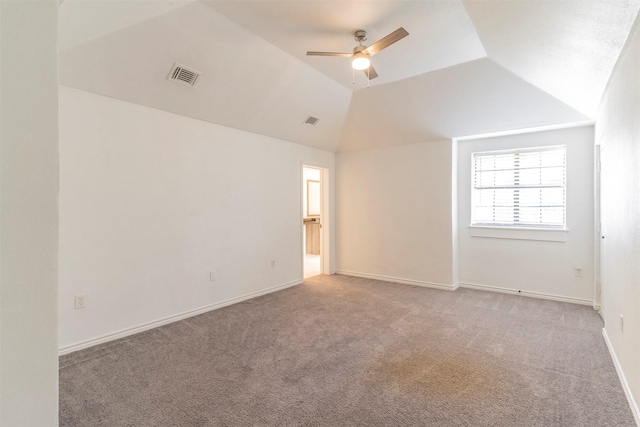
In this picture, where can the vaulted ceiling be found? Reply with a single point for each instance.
(467, 67)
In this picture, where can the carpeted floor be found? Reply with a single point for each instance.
(343, 351)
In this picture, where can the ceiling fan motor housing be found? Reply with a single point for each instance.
(360, 35)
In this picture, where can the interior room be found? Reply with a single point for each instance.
(274, 212)
(312, 220)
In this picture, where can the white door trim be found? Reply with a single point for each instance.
(325, 217)
(597, 248)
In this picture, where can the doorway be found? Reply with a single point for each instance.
(313, 219)
(598, 304)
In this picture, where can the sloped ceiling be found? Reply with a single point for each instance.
(85, 20)
(469, 99)
(441, 33)
(466, 68)
(247, 83)
(566, 48)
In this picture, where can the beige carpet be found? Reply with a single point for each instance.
(341, 351)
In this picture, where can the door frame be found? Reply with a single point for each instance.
(325, 217)
(597, 243)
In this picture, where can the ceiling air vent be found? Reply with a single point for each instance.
(183, 75)
(311, 121)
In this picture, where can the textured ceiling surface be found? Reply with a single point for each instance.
(451, 101)
(266, 92)
(440, 33)
(84, 20)
(467, 67)
(566, 48)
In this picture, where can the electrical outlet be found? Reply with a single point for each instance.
(621, 323)
(273, 263)
(79, 301)
(578, 272)
(212, 276)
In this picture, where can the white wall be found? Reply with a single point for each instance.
(535, 267)
(394, 212)
(403, 214)
(618, 132)
(151, 202)
(29, 213)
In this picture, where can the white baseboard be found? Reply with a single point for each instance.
(623, 379)
(170, 319)
(540, 295)
(399, 280)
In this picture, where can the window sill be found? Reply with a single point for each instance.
(542, 234)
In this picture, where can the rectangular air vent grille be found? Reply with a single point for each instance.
(311, 121)
(183, 75)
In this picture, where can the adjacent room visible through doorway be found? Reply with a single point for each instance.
(312, 220)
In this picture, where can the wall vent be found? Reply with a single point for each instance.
(183, 75)
(311, 121)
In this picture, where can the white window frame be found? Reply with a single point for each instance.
(518, 231)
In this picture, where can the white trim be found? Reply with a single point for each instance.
(623, 379)
(519, 233)
(597, 232)
(527, 130)
(325, 217)
(398, 280)
(170, 319)
(516, 227)
(532, 294)
(519, 150)
(481, 183)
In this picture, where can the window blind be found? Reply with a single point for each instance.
(524, 187)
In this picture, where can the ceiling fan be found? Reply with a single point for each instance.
(361, 54)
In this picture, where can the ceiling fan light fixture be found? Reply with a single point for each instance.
(360, 57)
(360, 61)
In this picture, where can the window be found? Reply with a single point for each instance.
(520, 188)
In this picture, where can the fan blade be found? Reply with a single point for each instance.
(386, 41)
(371, 72)
(346, 55)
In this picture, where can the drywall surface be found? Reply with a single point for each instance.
(28, 213)
(152, 202)
(473, 98)
(394, 213)
(618, 133)
(533, 266)
(274, 101)
(566, 48)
